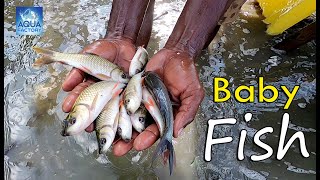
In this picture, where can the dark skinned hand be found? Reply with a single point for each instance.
(118, 51)
(178, 72)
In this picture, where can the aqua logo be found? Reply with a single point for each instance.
(29, 20)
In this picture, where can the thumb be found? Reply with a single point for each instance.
(102, 48)
(190, 101)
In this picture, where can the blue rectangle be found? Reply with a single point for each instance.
(29, 20)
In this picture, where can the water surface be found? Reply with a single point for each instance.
(241, 52)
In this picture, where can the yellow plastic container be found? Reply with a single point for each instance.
(282, 14)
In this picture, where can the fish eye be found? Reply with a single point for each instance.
(123, 75)
(141, 119)
(72, 120)
(103, 141)
(127, 101)
(137, 71)
(119, 130)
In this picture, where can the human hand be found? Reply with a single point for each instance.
(178, 72)
(118, 51)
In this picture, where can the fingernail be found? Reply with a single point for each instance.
(180, 131)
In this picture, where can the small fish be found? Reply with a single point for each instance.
(125, 125)
(159, 92)
(138, 119)
(138, 61)
(88, 106)
(89, 63)
(133, 93)
(153, 109)
(107, 123)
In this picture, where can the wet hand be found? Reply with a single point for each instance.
(118, 51)
(178, 72)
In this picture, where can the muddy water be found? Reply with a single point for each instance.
(241, 53)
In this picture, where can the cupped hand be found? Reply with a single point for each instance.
(178, 72)
(118, 51)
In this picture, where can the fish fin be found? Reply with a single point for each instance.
(146, 104)
(115, 86)
(46, 59)
(165, 157)
(42, 60)
(116, 122)
(42, 51)
(142, 81)
(93, 104)
(121, 102)
(103, 76)
(150, 101)
(117, 93)
(85, 69)
(164, 145)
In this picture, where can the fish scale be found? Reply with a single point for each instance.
(107, 124)
(107, 117)
(99, 64)
(89, 104)
(87, 95)
(91, 64)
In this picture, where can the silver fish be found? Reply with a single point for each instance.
(138, 119)
(107, 123)
(133, 93)
(138, 61)
(153, 109)
(125, 125)
(91, 64)
(89, 105)
(160, 93)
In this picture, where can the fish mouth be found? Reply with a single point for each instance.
(65, 125)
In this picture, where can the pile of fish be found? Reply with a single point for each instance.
(119, 102)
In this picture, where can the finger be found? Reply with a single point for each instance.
(74, 78)
(90, 128)
(147, 138)
(102, 48)
(188, 109)
(156, 63)
(125, 54)
(73, 95)
(121, 147)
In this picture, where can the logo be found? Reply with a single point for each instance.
(29, 20)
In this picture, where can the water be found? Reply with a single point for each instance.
(241, 52)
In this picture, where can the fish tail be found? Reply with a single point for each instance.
(165, 145)
(42, 51)
(46, 59)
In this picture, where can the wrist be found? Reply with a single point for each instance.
(126, 19)
(182, 50)
(113, 37)
(196, 26)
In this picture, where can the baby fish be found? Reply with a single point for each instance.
(153, 109)
(160, 93)
(133, 93)
(107, 123)
(91, 64)
(125, 125)
(138, 61)
(138, 119)
(88, 106)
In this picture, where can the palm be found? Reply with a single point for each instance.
(178, 72)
